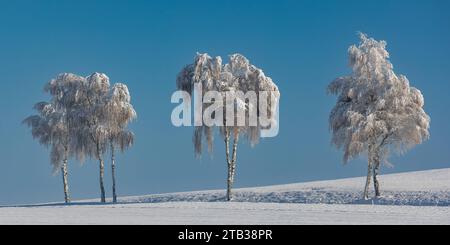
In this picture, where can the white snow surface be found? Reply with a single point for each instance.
(423, 188)
(408, 198)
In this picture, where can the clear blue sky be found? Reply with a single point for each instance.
(302, 45)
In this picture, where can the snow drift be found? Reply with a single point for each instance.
(423, 188)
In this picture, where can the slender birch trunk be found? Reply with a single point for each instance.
(369, 173)
(113, 173)
(64, 173)
(373, 169)
(231, 163)
(227, 153)
(376, 169)
(102, 173)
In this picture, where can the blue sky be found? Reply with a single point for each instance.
(302, 45)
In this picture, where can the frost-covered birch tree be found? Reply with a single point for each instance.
(377, 111)
(47, 127)
(232, 82)
(90, 136)
(52, 125)
(119, 113)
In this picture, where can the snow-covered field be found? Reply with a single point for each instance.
(408, 198)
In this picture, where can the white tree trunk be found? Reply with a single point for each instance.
(376, 169)
(373, 169)
(231, 163)
(102, 173)
(369, 173)
(227, 153)
(113, 173)
(64, 173)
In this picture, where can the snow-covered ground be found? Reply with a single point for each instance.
(408, 198)
(194, 213)
(423, 188)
